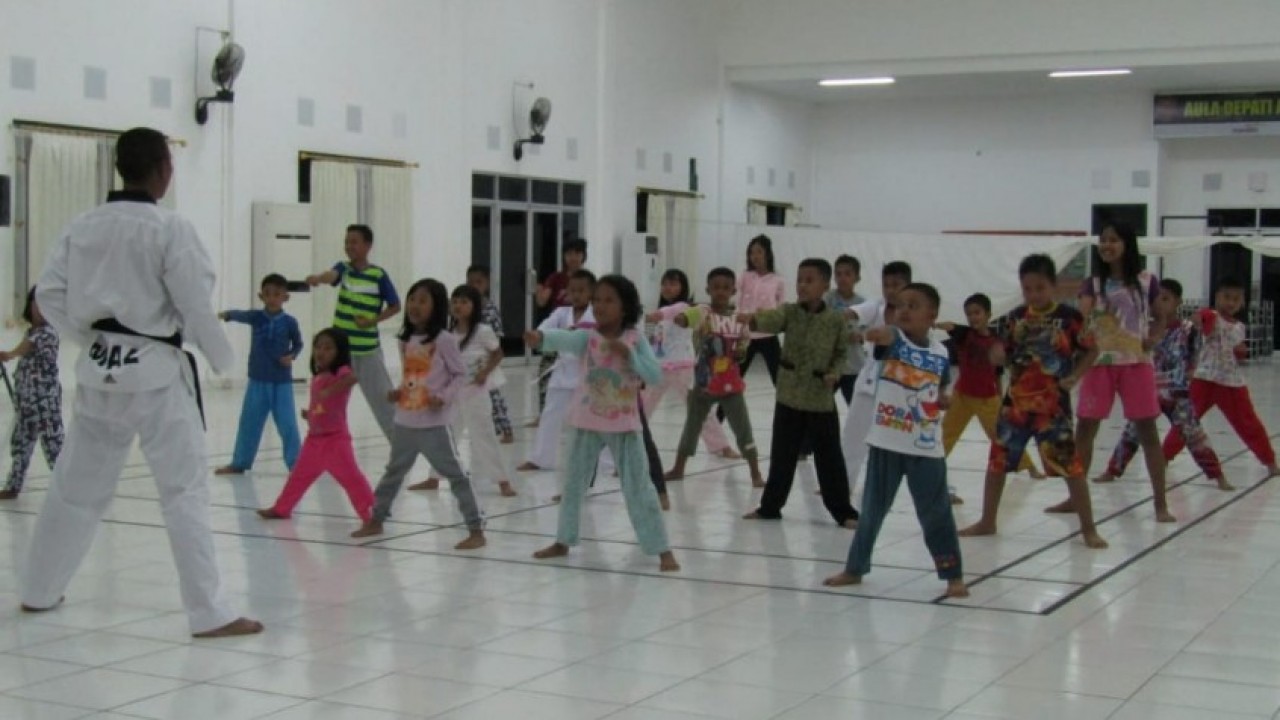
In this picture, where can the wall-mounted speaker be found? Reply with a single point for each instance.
(5, 204)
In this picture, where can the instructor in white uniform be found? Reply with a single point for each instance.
(127, 281)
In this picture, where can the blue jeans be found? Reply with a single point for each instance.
(927, 481)
(262, 399)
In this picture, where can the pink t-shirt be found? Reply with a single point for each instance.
(758, 292)
(430, 370)
(328, 415)
(607, 399)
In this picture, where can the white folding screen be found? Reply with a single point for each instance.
(683, 240)
(64, 179)
(391, 217)
(333, 207)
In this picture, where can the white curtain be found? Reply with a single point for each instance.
(793, 215)
(684, 238)
(391, 217)
(757, 213)
(333, 208)
(63, 181)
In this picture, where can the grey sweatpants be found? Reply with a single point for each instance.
(375, 384)
(436, 445)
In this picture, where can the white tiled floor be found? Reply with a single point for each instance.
(1173, 621)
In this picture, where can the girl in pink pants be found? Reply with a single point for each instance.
(328, 445)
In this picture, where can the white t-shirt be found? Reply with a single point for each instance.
(672, 344)
(909, 385)
(476, 355)
(870, 315)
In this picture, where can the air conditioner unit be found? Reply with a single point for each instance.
(282, 244)
(642, 258)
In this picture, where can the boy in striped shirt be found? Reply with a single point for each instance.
(366, 297)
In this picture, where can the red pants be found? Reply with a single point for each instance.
(1238, 409)
(333, 454)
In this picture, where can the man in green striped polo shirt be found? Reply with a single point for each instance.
(366, 297)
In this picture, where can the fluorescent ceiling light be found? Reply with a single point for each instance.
(843, 82)
(1088, 73)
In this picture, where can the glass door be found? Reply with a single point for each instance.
(514, 302)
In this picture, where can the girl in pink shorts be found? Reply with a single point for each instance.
(1117, 302)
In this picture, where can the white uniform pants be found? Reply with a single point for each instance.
(545, 451)
(853, 441)
(102, 430)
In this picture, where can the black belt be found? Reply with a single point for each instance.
(111, 325)
(788, 365)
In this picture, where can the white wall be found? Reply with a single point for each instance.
(767, 34)
(1184, 164)
(1025, 163)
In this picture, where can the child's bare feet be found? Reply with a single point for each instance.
(1272, 471)
(532, 423)
(673, 475)
(1164, 516)
(978, 529)
(556, 498)
(368, 529)
(1222, 485)
(1093, 540)
(665, 501)
(1105, 478)
(730, 454)
(956, 589)
(239, 626)
(8, 494)
(842, 579)
(229, 470)
(1063, 507)
(554, 550)
(505, 489)
(507, 438)
(667, 562)
(431, 483)
(1036, 474)
(850, 524)
(956, 499)
(757, 481)
(271, 514)
(527, 466)
(474, 541)
(753, 515)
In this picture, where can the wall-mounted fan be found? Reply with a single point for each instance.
(226, 68)
(530, 118)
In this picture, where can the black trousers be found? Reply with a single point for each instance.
(846, 389)
(790, 426)
(768, 348)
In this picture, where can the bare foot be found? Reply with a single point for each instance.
(8, 494)
(1036, 474)
(665, 501)
(431, 483)
(527, 466)
(531, 424)
(673, 475)
(505, 489)
(556, 498)
(957, 589)
(554, 550)
(957, 500)
(271, 514)
(1063, 507)
(1093, 540)
(368, 529)
(667, 562)
(1222, 485)
(33, 609)
(842, 579)
(850, 524)
(753, 515)
(977, 530)
(730, 454)
(1272, 471)
(474, 541)
(507, 438)
(758, 482)
(239, 626)
(229, 470)
(1105, 478)
(1164, 516)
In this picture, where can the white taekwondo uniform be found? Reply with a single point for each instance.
(142, 269)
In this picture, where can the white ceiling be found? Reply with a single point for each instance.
(1164, 78)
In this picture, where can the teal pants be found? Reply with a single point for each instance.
(637, 490)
